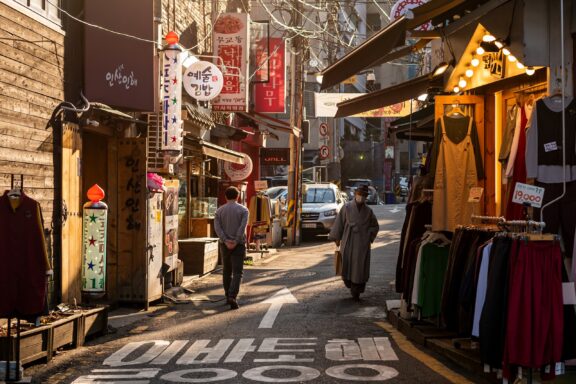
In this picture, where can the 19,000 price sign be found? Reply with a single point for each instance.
(528, 195)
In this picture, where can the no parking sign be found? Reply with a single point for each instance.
(324, 152)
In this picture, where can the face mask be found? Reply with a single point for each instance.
(360, 199)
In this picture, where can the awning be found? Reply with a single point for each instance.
(419, 126)
(221, 153)
(430, 10)
(388, 96)
(366, 54)
(116, 114)
(403, 51)
(268, 121)
(228, 132)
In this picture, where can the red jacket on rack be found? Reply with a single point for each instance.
(23, 257)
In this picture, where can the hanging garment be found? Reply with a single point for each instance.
(260, 210)
(509, 169)
(455, 175)
(481, 289)
(535, 319)
(544, 142)
(508, 134)
(516, 211)
(23, 257)
(433, 263)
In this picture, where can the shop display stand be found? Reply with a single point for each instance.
(15, 184)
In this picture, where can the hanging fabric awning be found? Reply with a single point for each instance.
(267, 121)
(419, 126)
(388, 96)
(366, 54)
(221, 153)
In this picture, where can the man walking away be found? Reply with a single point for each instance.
(230, 225)
(354, 230)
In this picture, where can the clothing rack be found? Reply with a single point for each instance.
(15, 184)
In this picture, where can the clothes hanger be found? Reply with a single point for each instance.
(456, 110)
(15, 193)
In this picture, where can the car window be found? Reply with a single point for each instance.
(319, 195)
(275, 192)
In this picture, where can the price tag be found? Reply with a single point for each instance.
(260, 185)
(528, 195)
(475, 194)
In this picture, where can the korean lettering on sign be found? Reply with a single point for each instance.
(270, 97)
(203, 81)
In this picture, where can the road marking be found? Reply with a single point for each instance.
(394, 210)
(424, 358)
(281, 297)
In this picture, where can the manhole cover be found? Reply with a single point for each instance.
(287, 274)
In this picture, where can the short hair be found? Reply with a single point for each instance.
(232, 193)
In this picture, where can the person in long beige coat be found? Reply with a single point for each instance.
(354, 231)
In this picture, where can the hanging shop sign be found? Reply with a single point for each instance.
(275, 156)
(171, 99)
(231, 40)
(402, 7)
(239, 172)
(203, 80)
(260, 185)
(270, 97)
(94, 224)
(171, 223)
(529, 195)
(326, 105)
(120, 71)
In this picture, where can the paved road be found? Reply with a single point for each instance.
(297, 323)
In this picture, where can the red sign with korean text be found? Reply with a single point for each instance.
(270, 97)
(231, 46)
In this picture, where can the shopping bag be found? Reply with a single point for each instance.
(338, 262)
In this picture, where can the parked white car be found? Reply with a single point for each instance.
(320, 204)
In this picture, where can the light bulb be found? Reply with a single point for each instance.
(423, 97)
(505, 51)
(462, 83)
(469, 73)
(530, 71)
(475, 62)
(456, 89)
(488, 38)
(519, 65)
(480, 50)
(511, 58)
(498, 44)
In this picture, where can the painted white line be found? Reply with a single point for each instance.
(281, 297)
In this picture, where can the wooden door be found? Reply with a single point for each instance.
(72, 226)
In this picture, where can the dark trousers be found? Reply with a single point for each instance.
(233, 262)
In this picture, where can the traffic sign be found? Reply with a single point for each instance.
(323, 129)
(324, 152)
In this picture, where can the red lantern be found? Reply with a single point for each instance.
(95, 193)
(172, 38)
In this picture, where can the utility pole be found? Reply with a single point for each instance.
(294, 171)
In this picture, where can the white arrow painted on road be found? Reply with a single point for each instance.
(281, 297)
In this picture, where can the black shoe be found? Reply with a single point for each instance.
(356, 296)
(233, 303)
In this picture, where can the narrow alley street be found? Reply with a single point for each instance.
(297, 323)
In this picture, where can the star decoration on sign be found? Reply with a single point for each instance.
(175, 81)
(174, 119)
(91, 265)
(175, 60)
(173, 139)
(174, 100)
(92, 241)
(92, 218)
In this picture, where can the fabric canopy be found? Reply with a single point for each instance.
(387, 96)
(221, 153)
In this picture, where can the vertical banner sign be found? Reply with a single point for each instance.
(231, 45)
(171, 222)
(94, 223)
(171, 99)
(270, 97)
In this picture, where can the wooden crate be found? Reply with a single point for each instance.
(35, 344)
(67, 332)
(95, 322)
(200, 255)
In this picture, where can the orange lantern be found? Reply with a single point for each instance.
(172, 38)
